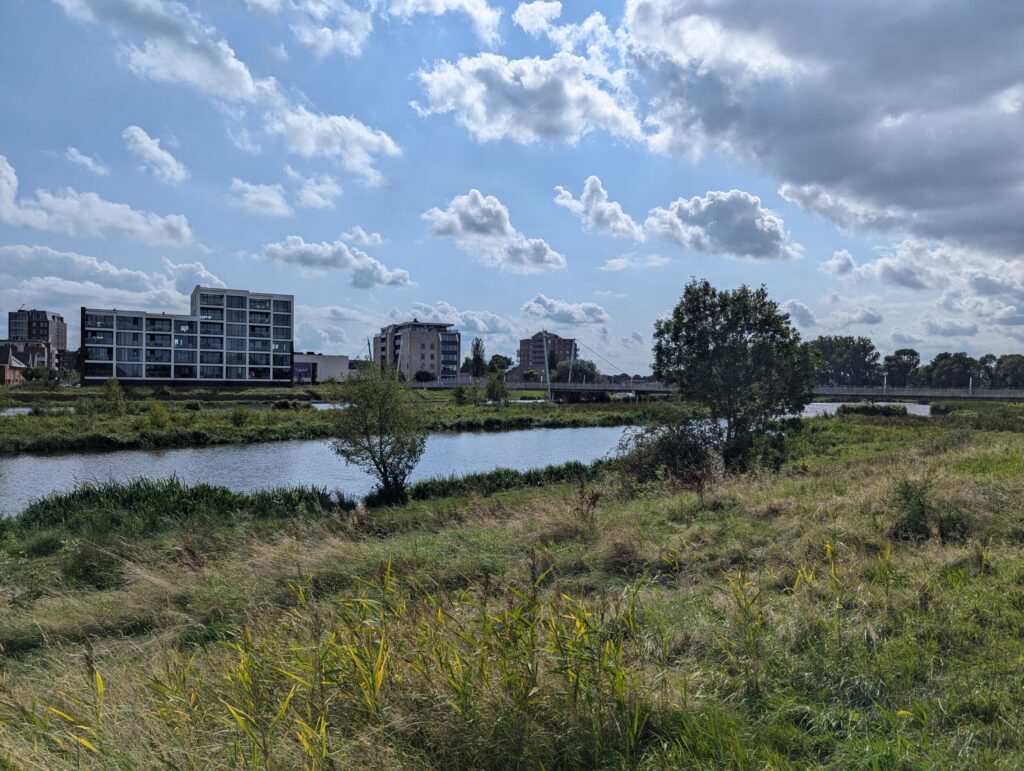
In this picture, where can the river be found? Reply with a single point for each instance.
(250, 467)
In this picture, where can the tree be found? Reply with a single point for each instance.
(583, 371)
(477, 362)
(1010, 371)
(380, 430)
(497, 391)
(846, 360)
(422, 376)
(900, 366)
(113, 397)
(552, 362)
(987, 370)
(499, 363)
(531, 376)
(737, 354)
(953, 370)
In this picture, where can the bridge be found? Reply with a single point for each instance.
(839, 393)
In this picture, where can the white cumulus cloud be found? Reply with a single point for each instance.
(366, 271)
(79, 158)
(164, 166)
(597, 212)
(264, 200)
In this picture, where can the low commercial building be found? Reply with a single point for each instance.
(419, 347)
(313, 368)
(12, 369)
(231, 337)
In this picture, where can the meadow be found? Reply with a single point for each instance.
(861, 609)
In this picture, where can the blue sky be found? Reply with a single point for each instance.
(872, 179)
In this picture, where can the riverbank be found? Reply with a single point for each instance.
(858, 610)
(156, 424)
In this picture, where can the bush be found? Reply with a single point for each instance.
(194, 405)
(158, 416)
(913, 511)
(880, 410)
(459, 395)
(86, 564)
(239, 416)
(686, 449)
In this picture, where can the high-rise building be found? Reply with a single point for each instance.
(231, 337)
(38, 327)
(535, 352)
(417, 346)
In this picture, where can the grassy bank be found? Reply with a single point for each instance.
(859, 610)
(152, 424)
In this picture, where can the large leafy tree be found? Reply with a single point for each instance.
(736, 353)
(379, 430)
(846, 360)
(477, 362)
(954, 370)
(1010, 371)
(900, 366)
(499, 363)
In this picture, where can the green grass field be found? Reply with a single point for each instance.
(862, 609)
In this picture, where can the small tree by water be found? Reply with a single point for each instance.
(380, 430)
(113, 397)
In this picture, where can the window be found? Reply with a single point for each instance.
(99, 321)
(211, 357)
(211, 373)
(235, 344)
(129, 354)
(211, 314)
(237, 301)
(185, 371)
(235, 358)
(431, 346)
(235, 373)
(263, 332)
(259, 373)
(259, 303)
(160, 355)
(282, 319)
(158, 341)
(98, 338)
(158, 325)
(93, 369)
(129, 338)
(128, 370)
(259, 358)
(211, 328)
(423, 346)
(236, 330)
(129, 322)
(185, 341)
(93, 353)
(158, 371)
(282, 306)
(282, 374)
(211, 299)
(259, 318)
(211, 343)
(282, 360)
(237, 317)
(184, 327)
(259, 345)
(282, 333)
(281, 346)
(185, 357)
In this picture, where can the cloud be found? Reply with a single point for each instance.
(536, 17)
(732, 223)
(86, 162)
(352, 142)
(633, 340)
(633, 261)
(360, 237)
(164, 166)
(563, 312)
(597, 212)
(65, 281)
(800, 313)
(907, 265)
(841, 264)
(330, 27)
(316, 192)
(946, 327)
(366, 272)
(187, 275)
(443, 312)
(481, 226)
(74, 213)
(861, 314)
(175, 47)
(265, 200)
(859, 113)
(334, 329)
(529, 100)
(485, 19)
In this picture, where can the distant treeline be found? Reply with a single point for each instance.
(847, 360)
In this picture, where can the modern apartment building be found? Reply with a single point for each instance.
(534, 351)
(231, 337)
(37, 326)
(417, 346)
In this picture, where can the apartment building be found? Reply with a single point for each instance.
(534, 351)
(230, 337)
(39, 337)
(416, 346)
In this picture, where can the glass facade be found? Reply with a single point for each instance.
(250, 334)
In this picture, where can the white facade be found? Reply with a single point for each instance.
(317, 367)
(231, 336)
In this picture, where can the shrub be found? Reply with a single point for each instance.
(158, 416)
(113, 397)
(239, 416)
(686, 449)
(194, 405)
(913, 511)
(86, 564)
(459, 395)
(880, 410)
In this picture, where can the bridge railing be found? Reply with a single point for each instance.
(916, 392)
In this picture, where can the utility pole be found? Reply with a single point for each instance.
(547, 366)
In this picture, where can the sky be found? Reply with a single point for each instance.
(508, 167)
